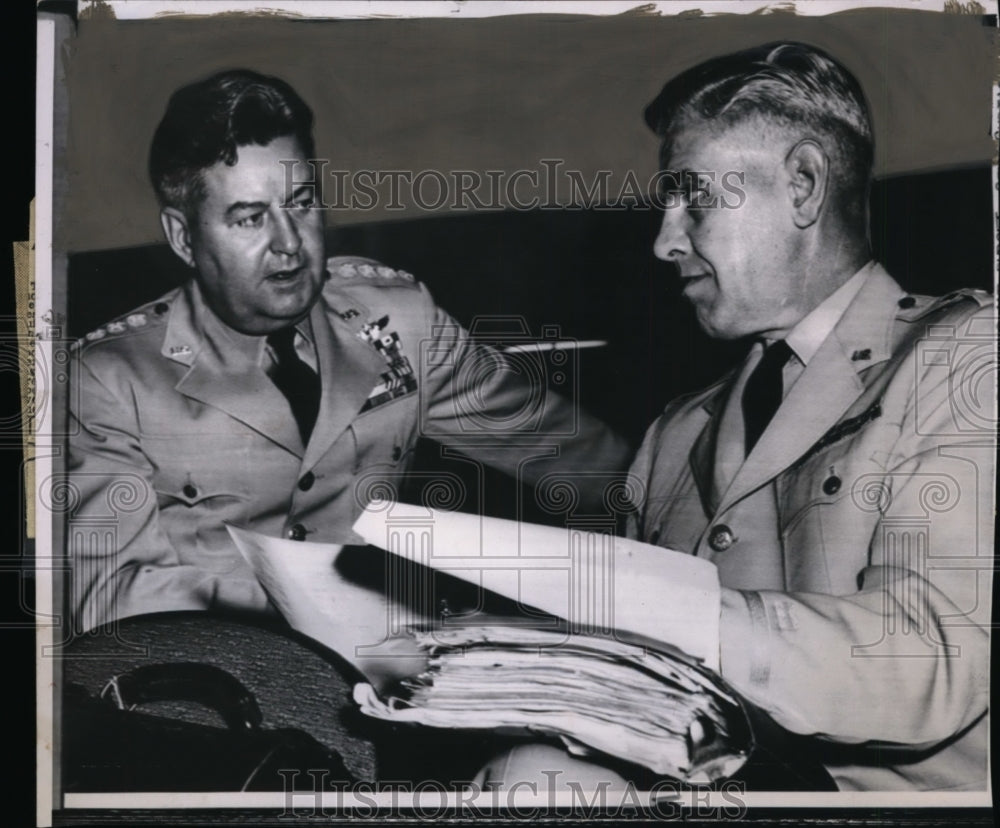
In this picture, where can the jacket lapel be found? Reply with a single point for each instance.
(349, 369)
(821, 395)
(223, 376)
(702, 456)
(827, 388)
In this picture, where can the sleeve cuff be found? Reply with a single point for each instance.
(743, 632)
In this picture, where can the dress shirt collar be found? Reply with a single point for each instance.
(806, 337)
(252, 346)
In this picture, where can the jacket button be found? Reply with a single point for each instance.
(306, 481)
(297, 532)
(831, 485)
(907, 302)
(397, 452)
(190, 491)
(721, 538)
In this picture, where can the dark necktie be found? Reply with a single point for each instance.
(762, 393)
(296, 380)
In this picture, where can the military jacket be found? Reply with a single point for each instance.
(856, 539)
(176, 433)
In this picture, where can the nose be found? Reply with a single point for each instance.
(673, 242)
(285, 237)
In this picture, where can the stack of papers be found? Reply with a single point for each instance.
(620, 689)
(654, 707)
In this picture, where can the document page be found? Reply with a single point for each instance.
(598, 582)
(316, 600)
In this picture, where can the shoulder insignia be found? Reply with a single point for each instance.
(916, 307)
(155, 311)
(90, 336)
(359, 267)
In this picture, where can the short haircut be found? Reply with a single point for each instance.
(206, 122)
(795, 86)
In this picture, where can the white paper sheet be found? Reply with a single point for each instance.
(594, 581)
(303, 583)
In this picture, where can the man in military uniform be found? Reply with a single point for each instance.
(275, 388)
(841, 478)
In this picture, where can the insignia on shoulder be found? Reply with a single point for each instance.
(365, 269)
(917, 307)
(91, 336)
(134, 320)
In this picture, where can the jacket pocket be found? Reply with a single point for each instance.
(385, 436)
(204, 474)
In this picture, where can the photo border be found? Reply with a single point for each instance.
(841, 808)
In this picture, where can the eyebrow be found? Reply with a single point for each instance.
(239, 206)
(302, 188)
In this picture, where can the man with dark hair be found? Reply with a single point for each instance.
(841, 478)
(207, 122)
(275, 387)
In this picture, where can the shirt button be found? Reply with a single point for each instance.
(831, 485)
(397, 452)
(190, 491)
(721, 538)
(306, 481)
(297, 532)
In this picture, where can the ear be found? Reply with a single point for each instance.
(808, 169)
(175, 228)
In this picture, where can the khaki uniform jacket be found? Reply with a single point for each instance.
(859, 534)
(177, 432)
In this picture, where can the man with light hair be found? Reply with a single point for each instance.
(841, 478)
